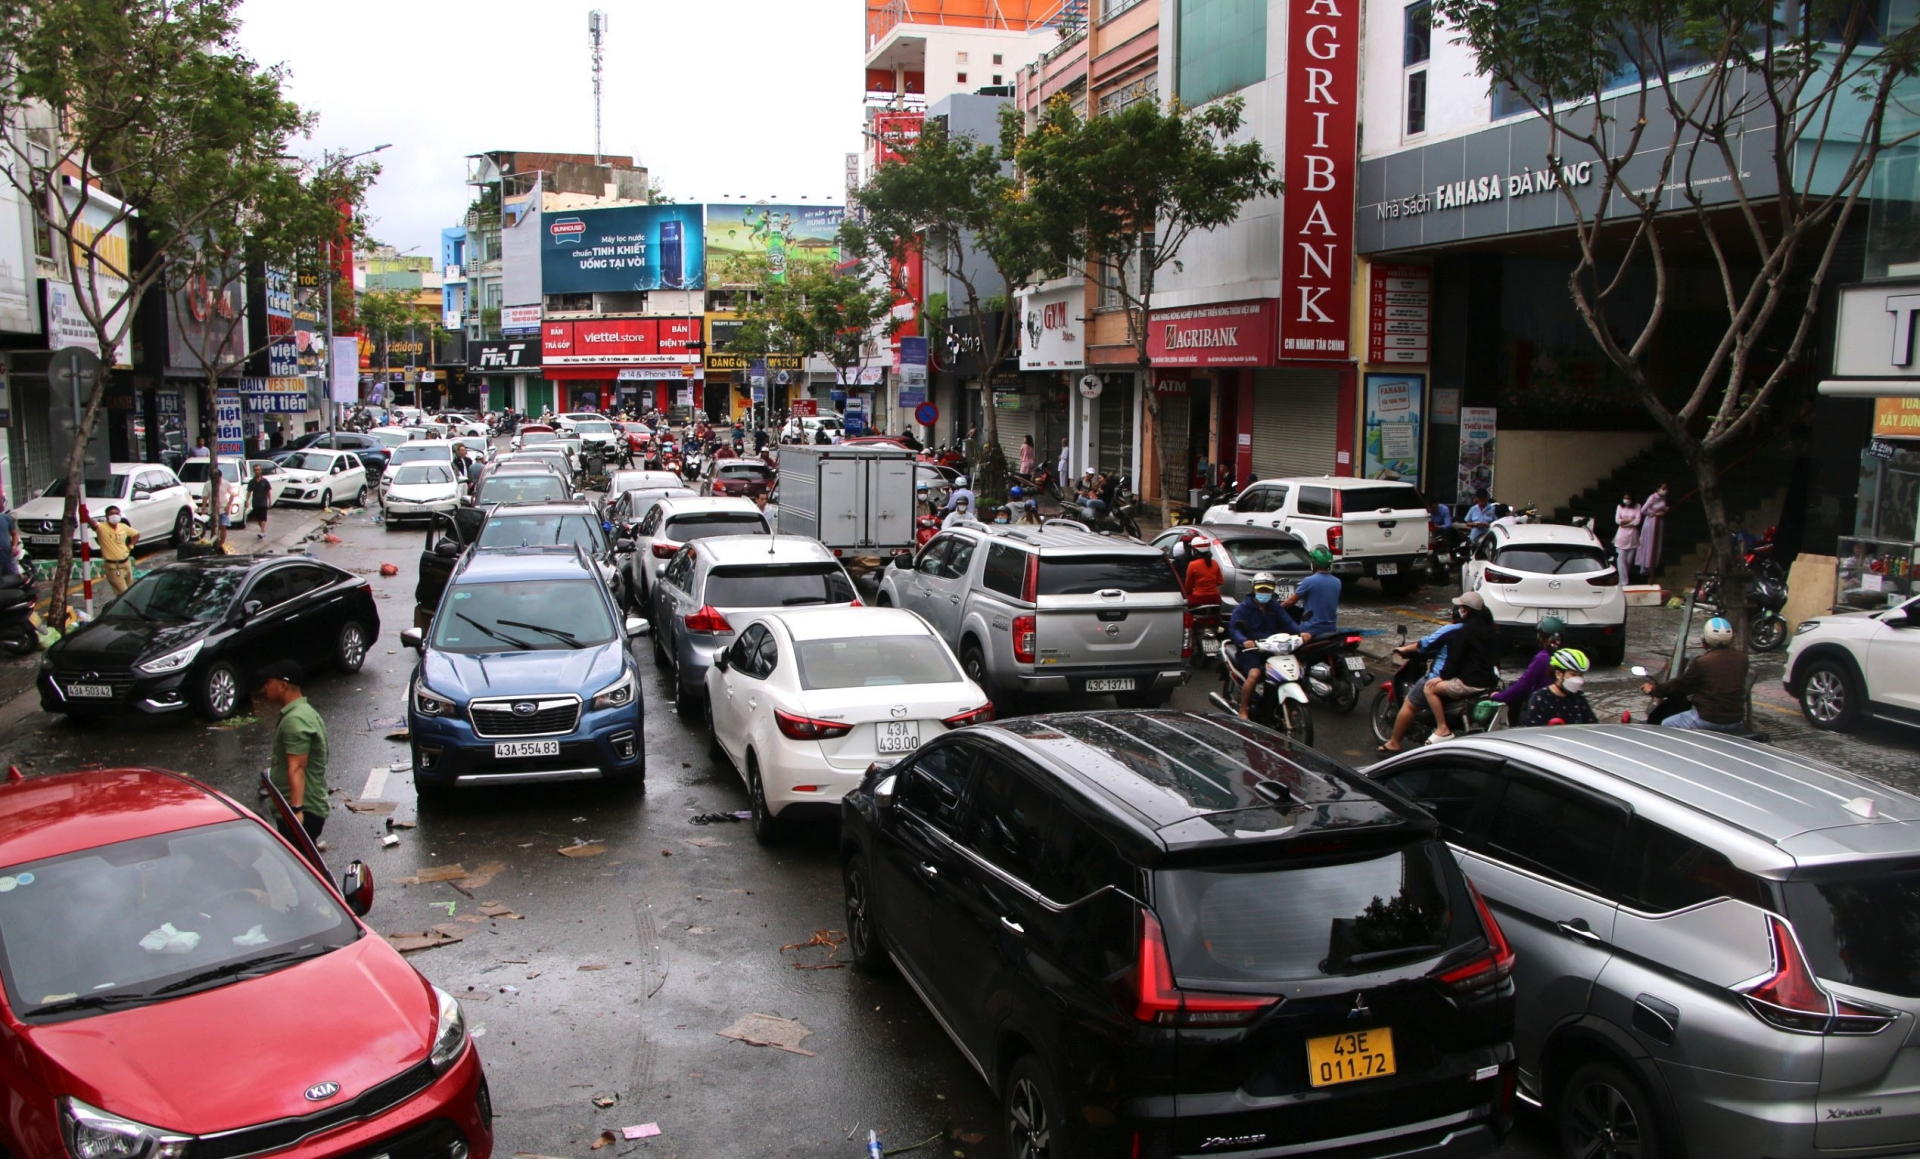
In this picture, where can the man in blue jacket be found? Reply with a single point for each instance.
(1253, 621)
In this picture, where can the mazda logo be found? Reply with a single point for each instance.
(321, 1092)
(525, 708)
(898, 710)
(1554, 584)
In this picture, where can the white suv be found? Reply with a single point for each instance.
(1528, 571)
(1375, 527)
(1852, 664)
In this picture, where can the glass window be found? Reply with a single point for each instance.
(933, 557)
(1566, 837)
(1863, 928)
(178, 595)
(1222, 47)
(778, 585)
(516, 489)
(1553, 559)
(270, 589)
(1448, 791)
(320, 461)
(687, 528)
(1317, 501)
(526, 616)
(1008, 822)
(874, 662)
(767, 655)
(304, 578)
(1416, 102)
(1082, 575)
(746, 651)
(1077, 860)
(1005, 571)
(1267, 555)
(1419, 33)
(961, 558)
(935, 786)
(506, 529)
(423, 473)
(1663, 872)
(112, 487)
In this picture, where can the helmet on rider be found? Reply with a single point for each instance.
(1014, 491)
(1263, 587)
(1200, 544)
(1718, 633)
(1551, 629)
(1003, 514)
(1570, 660)
(960, 481)
(1322, 558)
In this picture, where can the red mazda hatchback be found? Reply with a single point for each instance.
(180, 984)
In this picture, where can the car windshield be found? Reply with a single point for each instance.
(309, 461)
(421, 453)
(195, 471)
(1552, 559)
(778, 585)
(114, 487)
(874, 661)
(745, 470)
(522, 616)
(521, 489)
(687, 528)
(1366, 500)
(1863, 928)
(569, 530)
(533, 437)
(390, 438)
(178, 594)
(143, 919)
(1267, 555)
(423, 473)
(593, 427)
(1082, 575)
(1264, 923)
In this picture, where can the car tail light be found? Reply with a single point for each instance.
(1023, 632)
(1606, 579)
(664, 550)
(1157, 999)
(1491, 967)
(708, 619)
(980, 715)
(1336, 535)
(1186, 636)
(1030, 586)
(1791, 998)
(795, 727)
(1339, 504)
(1494, 575)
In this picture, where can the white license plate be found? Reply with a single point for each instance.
(1356, 663)
(526, 748)
(1386, 569)
(90, 691)
(898, 736)
(1116, 684)
(1563, 613)
(43, 540)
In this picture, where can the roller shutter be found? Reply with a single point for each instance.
(1295, 422)
(1013, 426)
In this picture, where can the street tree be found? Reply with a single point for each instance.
(1123, 192)
(1751, 161)
(386, 312)
(140, 115)
(830, 312)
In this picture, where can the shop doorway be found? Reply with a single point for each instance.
(1113, 443)
(539, 397)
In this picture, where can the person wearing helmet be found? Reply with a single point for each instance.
(1471, 667)
(961, 510)
(1253, 621)
(1318, 596)
(1562, 701)
(1713, 687)
(1539, 671)
(1201, 578)
(1003, 514)
(1434, 646)
(960, 491)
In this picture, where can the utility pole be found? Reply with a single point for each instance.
(596, 36)
(328, 161)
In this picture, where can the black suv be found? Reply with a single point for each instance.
(1162, 933)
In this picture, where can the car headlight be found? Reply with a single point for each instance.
(427, 703)
(92, 1133)
(1806, 626)
(615, 695)
(450, 1037)
(173, 661)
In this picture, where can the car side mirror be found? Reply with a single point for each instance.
(623, 545)
(250, 609)
(883, 792)
(638, 626)
(720, 660)
(414, 638)
(447, 547)
(579, 494)
(903, 562)
(356, 885)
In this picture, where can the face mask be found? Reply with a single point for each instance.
(1000, 519)
(113, 519)
(1263, 597)
(1574, 683)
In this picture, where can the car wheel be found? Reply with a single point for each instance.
(863, 929)
(714, 750)
(1035, 1121)
(974, 663)
(326, 498)
(766, 826)
(219, 691)
(1828, 698)
(360, 497)
(1605, 1114)
(659, 649)
(350, 646)
(183, 527)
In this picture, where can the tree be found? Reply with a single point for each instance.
(1124, 192)
(814, 310)
(387, 312)
(1757, 153)
(152, 104)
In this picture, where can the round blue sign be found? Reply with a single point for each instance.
(926, 414)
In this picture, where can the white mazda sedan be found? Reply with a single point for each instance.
(804, 701)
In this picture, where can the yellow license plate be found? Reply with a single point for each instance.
(1344, 1058)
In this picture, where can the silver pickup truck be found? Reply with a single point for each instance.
(1054, 608)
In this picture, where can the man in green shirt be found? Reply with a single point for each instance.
(299, 747)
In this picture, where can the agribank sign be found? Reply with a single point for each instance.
(1316, 251)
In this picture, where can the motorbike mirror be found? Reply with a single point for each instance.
(356, 885)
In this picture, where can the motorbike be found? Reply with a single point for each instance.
(1209, 631)
(926, 526)
(1463, 716)
(18, 595)
(1766, 595)
(1280, 699)
(1672, 706)
(1448, 550)
(1041, 482)
(1210, 498)
(1336, 671)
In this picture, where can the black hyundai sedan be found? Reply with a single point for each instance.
(191, 635)
(1161, 933)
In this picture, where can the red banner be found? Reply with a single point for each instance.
(1230, 334)
(615, 339)
(556, 341)
(677, 333)
(893, 132)
(619, 342)
(1316, 252)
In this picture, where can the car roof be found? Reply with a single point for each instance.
(1202, 782)
(556, 507)
(1234, 532)
(1523, 533)
(699, 504)
(66, 812)
(1795, 803)
(1057, 536)
(241, 563)
(500, 564)
(739, 461)
(1339, 482)
(725, 550)
(411, 443)
(833, 623)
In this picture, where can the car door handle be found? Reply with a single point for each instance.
(1579, 931)
(1012, 926)
(930, 871)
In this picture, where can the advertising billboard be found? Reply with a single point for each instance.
(619, 341)
(1052, 333)
(785, 237)
(622, 249)
(1323, 94)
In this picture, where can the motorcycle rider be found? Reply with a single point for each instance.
(1562, 701)
(1438, 647)
(1539, 671)
(959, 492)
(1253, 621)
(1472, 663)
(1201, 579)
(1715, 682)
(1319, 595)
(961, 511)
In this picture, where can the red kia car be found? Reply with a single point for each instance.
(181, 984)
(738, 478)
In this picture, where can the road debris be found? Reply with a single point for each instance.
(442, 935)
(604, 1100)
(377, 808)
(606, 1139)
(831, 939)
(720, 818)
(705, 842)
(494, 909)
(642, 1131)
(388, 569)
(434, 873)
(389, 841)
(582, 849)
(768, 1030)
(593, 966)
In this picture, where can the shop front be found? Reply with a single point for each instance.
(1874, 364)
(584, 358)
(501, 370)
(1038, 403)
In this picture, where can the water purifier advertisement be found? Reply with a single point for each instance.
(622, 249)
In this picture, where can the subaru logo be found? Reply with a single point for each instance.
(321, 1092)
(525, 708)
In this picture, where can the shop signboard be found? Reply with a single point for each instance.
(1399, 312)
(743, 241)
(1232, 334)
(17, 312)
(623, 249)
(1896, 418)
(893, 134)
(913, 371)
(229, 423)
(1316, 258)
(619, 342)
(506, 356)
(345, 379)
(1052, 329)
(274, 395)
(519, 320)
(1478, 426)
(1393, 427)
(100, 256)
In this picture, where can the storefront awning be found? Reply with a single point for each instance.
(1871, 387)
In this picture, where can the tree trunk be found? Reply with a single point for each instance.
(69, 518)
(1721, 563)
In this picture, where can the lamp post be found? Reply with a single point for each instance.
(331, 162)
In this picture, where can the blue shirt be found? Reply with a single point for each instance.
(1253, 620)
(954, 496)
(1435, 642)
(1443, 515)
(1481, 513)
(1320, 596)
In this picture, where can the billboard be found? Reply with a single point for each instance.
(801, 238)
(619, 341)
(622, 249)
(1316, 266)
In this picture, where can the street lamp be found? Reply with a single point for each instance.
(331, 162)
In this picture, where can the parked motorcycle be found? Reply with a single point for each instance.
(1336, 671)
(1448, 550)
(18, 596)
(1280, 699)
(1766, 595)
(1210, 498)
(1463, 716)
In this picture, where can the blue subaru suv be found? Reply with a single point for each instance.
(525, 675)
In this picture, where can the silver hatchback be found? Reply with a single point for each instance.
(1718, 943)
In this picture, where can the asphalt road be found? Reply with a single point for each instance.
(610, 985)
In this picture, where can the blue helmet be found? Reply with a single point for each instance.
(1718, 633)
(1014, 491)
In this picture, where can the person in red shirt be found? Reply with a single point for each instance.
(1201, 583)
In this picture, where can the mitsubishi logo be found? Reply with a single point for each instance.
(1360, 1009)
(525, 708)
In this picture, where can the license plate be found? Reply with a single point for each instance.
(1118, 684)
(526, 748)
(1386, 569)
(43, 540)
(1345, 1058)
(90, 691)
(1356, 663)
(898, 736)
(1563, 613)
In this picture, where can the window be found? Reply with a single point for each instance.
(1009, 819)
(996, 78)
(1077, 860)
(961, 559)
(1448, 791)
(1552, 559)
(1665, 872)
(1863, 928)
(1147, 88)
(933, 558)
(1006, 570)
(1418, 20)
(997, 58)
(746, 651)
(1222, 46)
(1316, 501)
(936, 785)
(304, 578)
(1551, 831)
(960, 58)
(270, 589)
(678, 571)
(960, 78)
(874, 661)
(1083, 575)
(1416, 102)
(767, 656)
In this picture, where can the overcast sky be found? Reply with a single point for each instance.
(753, 98)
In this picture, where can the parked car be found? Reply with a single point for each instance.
(622, 481)
(674, 522)
(1244, 552)
(1847, 666)
(1161, 933)
(194, 473)
(573, 523)
(597, 434)
(1714, 936)
(525, 676)
(715, 583)
(630, 507)
(422, 451)
(1050, 609)
(149, 496)
(638, 436)
(1528, 571)
(191, 635)
(801, 703)
(747, 478)
(416, 491)
(1373, 527)
(321, 477)
(371, 449)
(149, 916)
(514, 484)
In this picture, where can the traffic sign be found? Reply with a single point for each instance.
(926, 414)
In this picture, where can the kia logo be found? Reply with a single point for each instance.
(525, 708)
(321, 1092)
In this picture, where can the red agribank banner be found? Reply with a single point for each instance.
(1316, 252)
(1232, 334)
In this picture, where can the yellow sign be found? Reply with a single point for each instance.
(1896, 418)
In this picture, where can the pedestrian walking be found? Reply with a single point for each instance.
(116, 539)
(1653, 526)
(259, 498)
(299, 759)
(1064, 472)
(9, 541)
(1626, 535)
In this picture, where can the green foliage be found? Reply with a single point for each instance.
(808, 310)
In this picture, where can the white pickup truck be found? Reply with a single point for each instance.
(1373, 527)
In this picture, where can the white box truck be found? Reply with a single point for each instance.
(855, 500)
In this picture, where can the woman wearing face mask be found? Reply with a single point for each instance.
(1563, 701)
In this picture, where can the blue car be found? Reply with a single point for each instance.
(525, 675)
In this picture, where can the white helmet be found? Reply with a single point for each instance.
(960, 481)
(1718, 633)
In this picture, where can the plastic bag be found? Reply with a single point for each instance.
(167, 940)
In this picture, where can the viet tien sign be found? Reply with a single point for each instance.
(1316, 239)
(621, 249)
(1053, 333)
(620, 342)
(743, 240)
(1232, 334)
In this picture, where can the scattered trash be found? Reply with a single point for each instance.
(386, 722)
(509, 989)
(606, 1139)
(584, 849)
(704, 842)
(831, 939)
(970, 1136)
(477, 1032)
(234, 722)
(873, 1145)
(603, 1100)
(720, 818)
(167, 940)
(768, 1030)
(643, 1131)
(446, 905)
(666, 853)
(494, 909)
(436, 873)
(579, 820)
(330, 539)
(252, 937)
(481, 877)
(903, 1150)
(593, 966)
(532, 976)
(393, 824)
(403, 734)
(699, 929)
(389, 569)
(426, 939)
(389, 841)
(377, 808)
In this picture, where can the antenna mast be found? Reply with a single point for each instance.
(596, 36)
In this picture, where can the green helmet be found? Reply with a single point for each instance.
(1321, 557)
(1552, 626)
(1570, 660)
